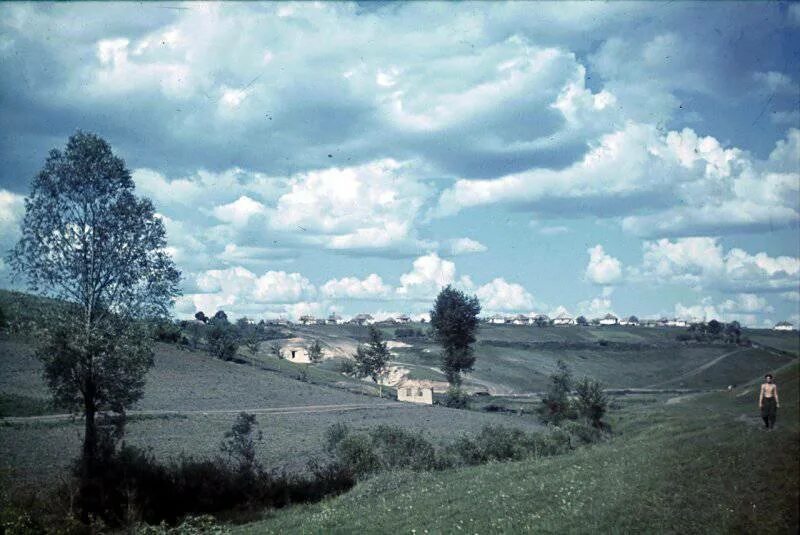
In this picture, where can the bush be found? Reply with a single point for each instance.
(132, 486)
(223, 340)
(398, 448)
(355, 452)
(494, 443)
(455, 398)
(166, 331)
(591, 402)
(347, 367)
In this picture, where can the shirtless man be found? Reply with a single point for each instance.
(768, 401)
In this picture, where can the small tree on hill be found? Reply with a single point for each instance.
(372, 358)
(223, 340)
(221, 316)
(556, 400)
(733, 332)
(315, 352)
(582, 321)
(591, 401)
(252, 342)
(454, 321)
(240, 442)
(714, 327)
(88, 240)
(200, 316)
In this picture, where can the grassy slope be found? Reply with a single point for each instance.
(701, 466)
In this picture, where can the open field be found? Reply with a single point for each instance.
(703, 465)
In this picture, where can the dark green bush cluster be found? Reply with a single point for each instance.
(408, 332)
(387, 448)
(455, 398)
(588, 404)
(131, 485)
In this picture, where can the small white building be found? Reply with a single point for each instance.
(294, 350)
(783, 326)
(307, 319)
(496, 319)
(631, 321)
(521, 319)
(609, 319)
(415, 393)
(402, 318)
(564, 319)
(677, 322)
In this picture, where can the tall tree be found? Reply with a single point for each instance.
(454, 320)
(372, 358)
(89, 240)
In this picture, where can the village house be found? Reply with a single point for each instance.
(541, 320)
(677, 322)
(294, 350)
(783, 326)
(334, 319)
(631, 321)
(402, 318)
(521, 319)
(609, 319)
(415, 393)
(497, 319)
(564, 319)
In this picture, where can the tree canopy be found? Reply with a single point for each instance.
(454, 320)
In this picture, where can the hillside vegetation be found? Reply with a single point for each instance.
(701, 466)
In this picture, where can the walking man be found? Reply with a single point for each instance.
(768, 401)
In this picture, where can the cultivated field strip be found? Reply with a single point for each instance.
(304, 409)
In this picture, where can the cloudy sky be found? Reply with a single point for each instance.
(635, 158)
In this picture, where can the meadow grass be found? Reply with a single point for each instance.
(701, 466)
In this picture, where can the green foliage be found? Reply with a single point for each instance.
(454, 321)
(315, 352)
(239, 443)
(166, 331)
(88, 240)
(555, 403)
(582, 321)
(192, 525)
(408, 332)
(223, 340)
(200, 316)
(252, 342)
(275, 350)
(112, 359)
(455, 398)
(591, 401)
(371, 359)
(3, 320)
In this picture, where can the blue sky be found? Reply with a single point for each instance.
(635, 158)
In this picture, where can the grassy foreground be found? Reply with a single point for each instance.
(701, 465)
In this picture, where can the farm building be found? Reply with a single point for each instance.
(294, 350)
(564, 319)
(521, 319)
(415, 393)
(677, 322)
(783, 326)
(496, 319)
(631, 321)
(402, 318)
(609, 319)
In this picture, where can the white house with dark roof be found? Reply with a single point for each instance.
(564, 319)
(783, 326)
(609, 319)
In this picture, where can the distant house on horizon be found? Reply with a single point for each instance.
(677, 322)
(609, 319)
(521, 319)
(307, 319)
(334, 319)
(783, 326)
(496, 319)
(403, 318)
(630, 321)
(564, 319)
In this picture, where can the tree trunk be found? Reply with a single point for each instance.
(89, 457)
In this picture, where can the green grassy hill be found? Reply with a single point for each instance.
(701, 466)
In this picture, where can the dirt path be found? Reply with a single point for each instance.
(301, 409)
(699, 369)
